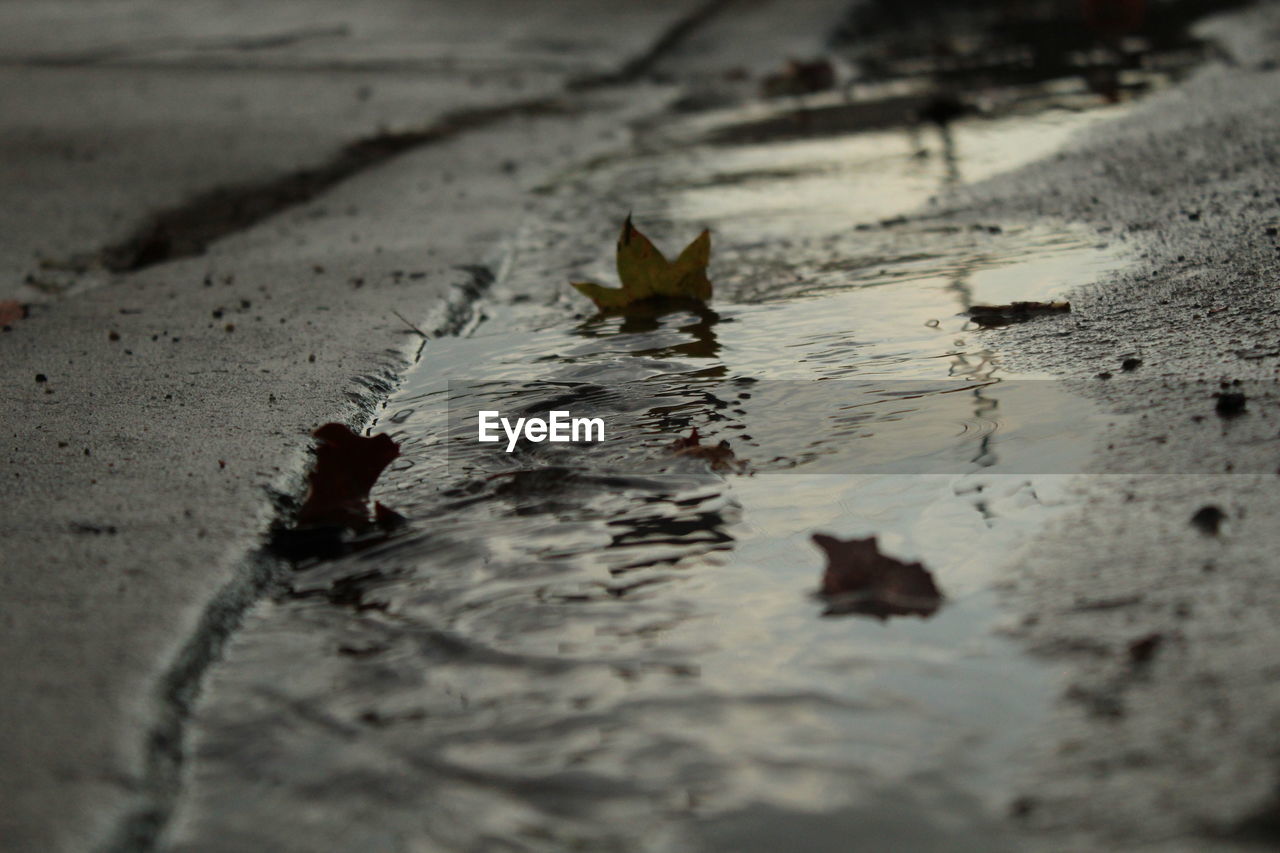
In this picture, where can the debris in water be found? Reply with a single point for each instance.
(1130, 364)
(719, 456)
(989, 316)
(1208, 519)
(799, 77)
(859, 579)
(647, 276)
(347, 466)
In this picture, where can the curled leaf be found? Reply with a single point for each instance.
(859, 579)
(646, 274)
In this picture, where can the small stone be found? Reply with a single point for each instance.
(1208, 519)
(1143, 649)
(1230, 404)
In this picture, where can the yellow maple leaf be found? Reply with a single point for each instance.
(647, 275)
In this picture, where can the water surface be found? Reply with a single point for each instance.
(573, 648)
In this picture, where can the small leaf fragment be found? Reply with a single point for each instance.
(719, 456)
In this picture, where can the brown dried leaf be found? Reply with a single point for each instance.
(347, 466)
(719, 456)
(859, 579)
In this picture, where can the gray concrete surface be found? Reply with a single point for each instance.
(1178, 753)
(116, 110)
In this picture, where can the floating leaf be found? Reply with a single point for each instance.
(347, 466)
(859, 579)
(719, 456)
(647, 275)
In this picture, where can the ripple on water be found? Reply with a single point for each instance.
(580, 649)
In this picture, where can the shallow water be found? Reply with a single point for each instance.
(606, 648)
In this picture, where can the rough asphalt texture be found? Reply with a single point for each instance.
(176, 400)
(1165, 738)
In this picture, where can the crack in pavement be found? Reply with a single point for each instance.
(187, 229)
(140, 830)
(644, 63)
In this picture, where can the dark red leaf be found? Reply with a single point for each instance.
(11, 311)
(347, 466)
(859, 579)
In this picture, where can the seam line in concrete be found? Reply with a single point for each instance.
(139, 831)
(187, 229)
(668, 41)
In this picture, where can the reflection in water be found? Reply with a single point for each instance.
(696, 339)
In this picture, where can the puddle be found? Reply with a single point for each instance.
(586, 653)
(861, 178)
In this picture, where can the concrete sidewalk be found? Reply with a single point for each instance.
(154, 411)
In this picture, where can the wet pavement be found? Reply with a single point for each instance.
(612, 648)
(621, 648)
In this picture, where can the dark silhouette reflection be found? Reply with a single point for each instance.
(939, 111)
(984, 412)
(654, 318)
